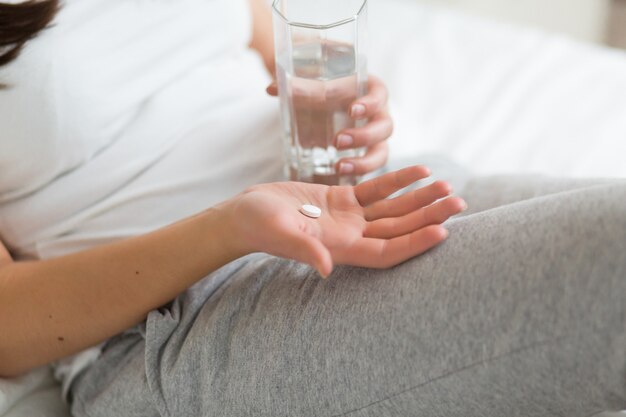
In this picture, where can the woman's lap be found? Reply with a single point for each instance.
(520, 312)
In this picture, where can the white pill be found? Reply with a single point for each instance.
(311, 211)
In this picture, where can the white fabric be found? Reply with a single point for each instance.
(498, 98)
(146, 133)
(40, 396)
(88, 116)
(125, 117)
(13, 390)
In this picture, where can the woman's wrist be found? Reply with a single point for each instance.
(221, 222)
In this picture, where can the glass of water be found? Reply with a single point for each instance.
(321, 68)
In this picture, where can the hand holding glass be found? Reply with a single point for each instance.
(321, 69)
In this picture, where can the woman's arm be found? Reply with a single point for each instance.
(262, 33)
(55, 308)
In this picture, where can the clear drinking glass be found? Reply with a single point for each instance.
(321, 68)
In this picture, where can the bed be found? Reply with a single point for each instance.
(496, 98)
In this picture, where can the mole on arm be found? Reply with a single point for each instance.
(60, 338)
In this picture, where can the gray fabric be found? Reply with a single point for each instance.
(522, 312)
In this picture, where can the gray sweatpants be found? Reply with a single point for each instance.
(522, 312)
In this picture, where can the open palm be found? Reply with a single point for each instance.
(359, 226)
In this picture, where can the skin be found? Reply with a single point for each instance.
(355, 227)
(262, 33)
(54, 308)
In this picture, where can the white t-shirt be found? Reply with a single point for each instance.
(127, 116)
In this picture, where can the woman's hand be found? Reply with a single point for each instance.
(372, 136)
(358, 226)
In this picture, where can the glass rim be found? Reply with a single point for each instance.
(312, 26)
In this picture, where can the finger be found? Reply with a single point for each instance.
(309, 250)
(272, 89)
(371, 191)
(376, 131)
(373, 102)
(381, 253)
(408, 202)
(375, 158)
(436, 213)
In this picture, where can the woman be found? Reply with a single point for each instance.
(125, 117)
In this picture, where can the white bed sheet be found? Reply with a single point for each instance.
(496, 98)
(43, 403)
(499, 98)
(37, 394)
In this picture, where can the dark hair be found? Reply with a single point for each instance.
(21, 22)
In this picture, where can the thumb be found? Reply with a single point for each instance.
(272, 89)
(311, 251)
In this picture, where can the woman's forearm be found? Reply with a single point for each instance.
(54, 308)
(262, 33)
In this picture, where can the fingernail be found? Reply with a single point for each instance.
(344, 141)
(358, 110)
(346, 168)
(464, 206)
